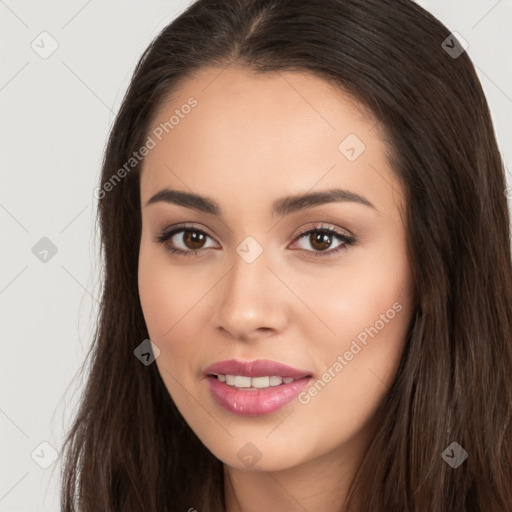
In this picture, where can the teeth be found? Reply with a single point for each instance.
(242, 381)
(276, 381)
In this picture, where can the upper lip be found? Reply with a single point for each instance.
(257, 368)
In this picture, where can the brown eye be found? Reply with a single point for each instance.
(187, 241)
(193, 239)
(320, 239)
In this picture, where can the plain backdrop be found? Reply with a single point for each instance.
(56, 112)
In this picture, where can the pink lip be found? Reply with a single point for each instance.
(255, 402)
(257, 368)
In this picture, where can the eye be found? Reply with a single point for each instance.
(321, 238)
(190, 241)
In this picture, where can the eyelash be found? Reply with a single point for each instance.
(347, 240)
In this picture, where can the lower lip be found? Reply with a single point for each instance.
(255, 402)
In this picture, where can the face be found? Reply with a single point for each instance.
(321, 285)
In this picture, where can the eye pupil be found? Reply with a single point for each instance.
(324, 239)
(193, 237)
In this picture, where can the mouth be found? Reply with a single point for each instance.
(255, 387)
(254, 369)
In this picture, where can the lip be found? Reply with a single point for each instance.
(257, 368)
(255, 402)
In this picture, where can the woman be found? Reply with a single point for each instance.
(308, 285)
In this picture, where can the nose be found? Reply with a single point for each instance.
(252, 301)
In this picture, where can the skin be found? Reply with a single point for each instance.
(250, 140)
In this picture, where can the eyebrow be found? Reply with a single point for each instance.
(282, 206)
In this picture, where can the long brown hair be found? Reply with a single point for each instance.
(129, 449)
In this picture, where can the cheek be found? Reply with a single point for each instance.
(169, 295)
(369, 308)
(369, 291)
(166, 291)
(171, 298)
(161, 293)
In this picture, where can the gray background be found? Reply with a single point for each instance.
(56, 114)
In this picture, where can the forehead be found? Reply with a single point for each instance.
(263, 135)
